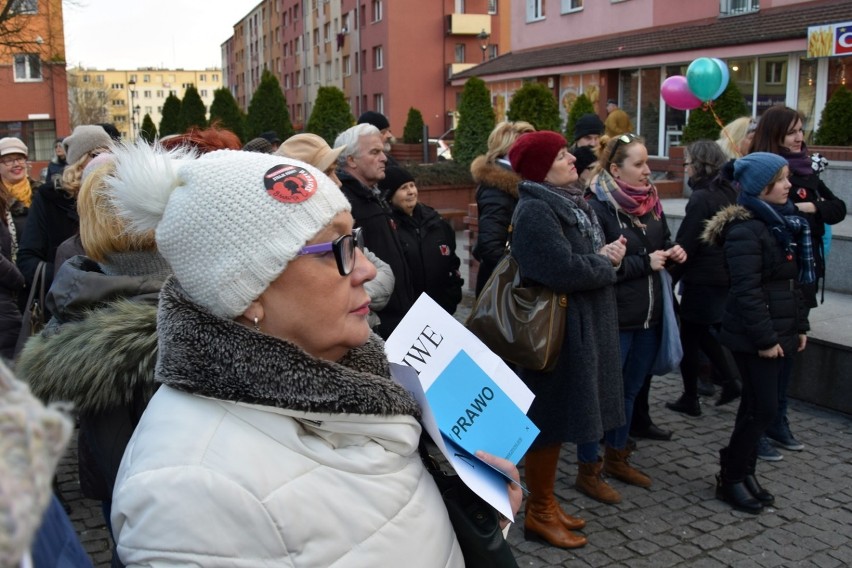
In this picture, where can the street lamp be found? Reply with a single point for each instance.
(130, 86)
(483, 42)
(135, 122)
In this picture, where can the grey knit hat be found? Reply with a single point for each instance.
(754, 171)
(83, 140)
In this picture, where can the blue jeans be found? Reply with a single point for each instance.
(638, 351)
(56, 544)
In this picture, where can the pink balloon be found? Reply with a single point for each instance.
(676, 93)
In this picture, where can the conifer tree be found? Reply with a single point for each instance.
(535, 103)
(268, 109)
(226, 112)
(148, 132)
(170, 122)
(835, 125)
(702, 126)
(413, 131)
(331, 114)
(192, 110)
(476, 121)
(581, 107)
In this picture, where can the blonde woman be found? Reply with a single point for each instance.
(496, 196)
(53, 213)
(736, 137)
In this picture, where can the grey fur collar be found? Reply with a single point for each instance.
(104, 360)
(714, 228)
(207, 355)
(493, 175)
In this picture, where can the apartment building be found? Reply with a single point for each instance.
(384, 55)
(124, 97)
(625, 49)
(33, 92)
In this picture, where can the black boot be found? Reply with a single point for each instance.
(766, 498)
(734, 491)
(686, 405)
(731, 391)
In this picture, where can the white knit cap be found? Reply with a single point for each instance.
(227, 222)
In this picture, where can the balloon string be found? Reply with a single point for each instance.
(708, 106)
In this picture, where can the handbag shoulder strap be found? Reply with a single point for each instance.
(38, 284)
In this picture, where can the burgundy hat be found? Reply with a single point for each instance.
(533, 153)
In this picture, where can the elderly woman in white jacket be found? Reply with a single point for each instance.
(278, 437)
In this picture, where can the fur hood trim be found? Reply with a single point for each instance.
(714, 228)
(102, 361)
(207, 355)
(493, 175)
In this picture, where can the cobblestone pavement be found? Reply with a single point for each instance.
(678, 522)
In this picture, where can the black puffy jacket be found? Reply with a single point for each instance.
(765, 305)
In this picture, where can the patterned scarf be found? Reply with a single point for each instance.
(786, 225)
(22, 191)
(587, 220)
(635, 201)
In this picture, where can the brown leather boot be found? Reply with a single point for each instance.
(543, 514)
(590, 482)
(616, 464)
(552, 453)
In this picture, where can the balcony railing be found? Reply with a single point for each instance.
(737, 7)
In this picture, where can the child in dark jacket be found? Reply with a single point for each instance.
(428, 241)
(769, 256)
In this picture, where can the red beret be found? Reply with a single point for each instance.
(533, 153)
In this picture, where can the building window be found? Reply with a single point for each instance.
(493, 50)
(132, 79)
(379, 103)
(203, 92)
(347, 66)
(775, 72)
(492, 7)
(459, 7)
(27, 67)
(535, 10)
(24, 7)
(735, 7)
(378, 57)
(326, 30)
(459, 53)
(286, 81)
(202, 78)
(146, 78)
(215, 77)
(377, 10)
(160, 94)
(569, 6)
(99, 78)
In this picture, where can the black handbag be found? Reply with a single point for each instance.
(522, 324)
(475, 522)
(32, 320)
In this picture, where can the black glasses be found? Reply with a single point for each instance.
(12, 160)
(343, 249)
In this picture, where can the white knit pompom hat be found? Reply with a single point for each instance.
(227, 222)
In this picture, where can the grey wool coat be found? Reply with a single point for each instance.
(583, 396)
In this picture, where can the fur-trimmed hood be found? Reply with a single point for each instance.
(714, 228)
(494, 175)
(102, 361)
(207, 355)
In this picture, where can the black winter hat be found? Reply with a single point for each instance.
(395, 177)
(271, 136)
(377, 119)
(588, 124)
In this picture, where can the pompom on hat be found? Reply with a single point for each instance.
(84, 139)
(533, 153)
(227, 222)
(754, 172)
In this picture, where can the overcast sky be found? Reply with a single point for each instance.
(126, 34)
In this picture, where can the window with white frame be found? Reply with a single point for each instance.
(286, 81)
(24, 7)
(492, 7)
(27, 67)
(377, 10)
(326, 30)
(379, 103)
(734, 7)
(347, 66)
(459, 53)
(459, 7)
(774, 73)
(378, 57)
(571, 6)
(535, 10)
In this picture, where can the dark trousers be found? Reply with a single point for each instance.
(695, 338)
(758, 406)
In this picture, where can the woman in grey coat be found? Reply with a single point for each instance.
(558, 243)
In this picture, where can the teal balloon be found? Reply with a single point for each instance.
(726, 77)
(704, 78)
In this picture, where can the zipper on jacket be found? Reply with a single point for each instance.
(650, 301)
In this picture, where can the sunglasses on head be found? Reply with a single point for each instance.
(343, 249)
(626, 138)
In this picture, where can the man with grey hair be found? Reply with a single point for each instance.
(361, 165)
